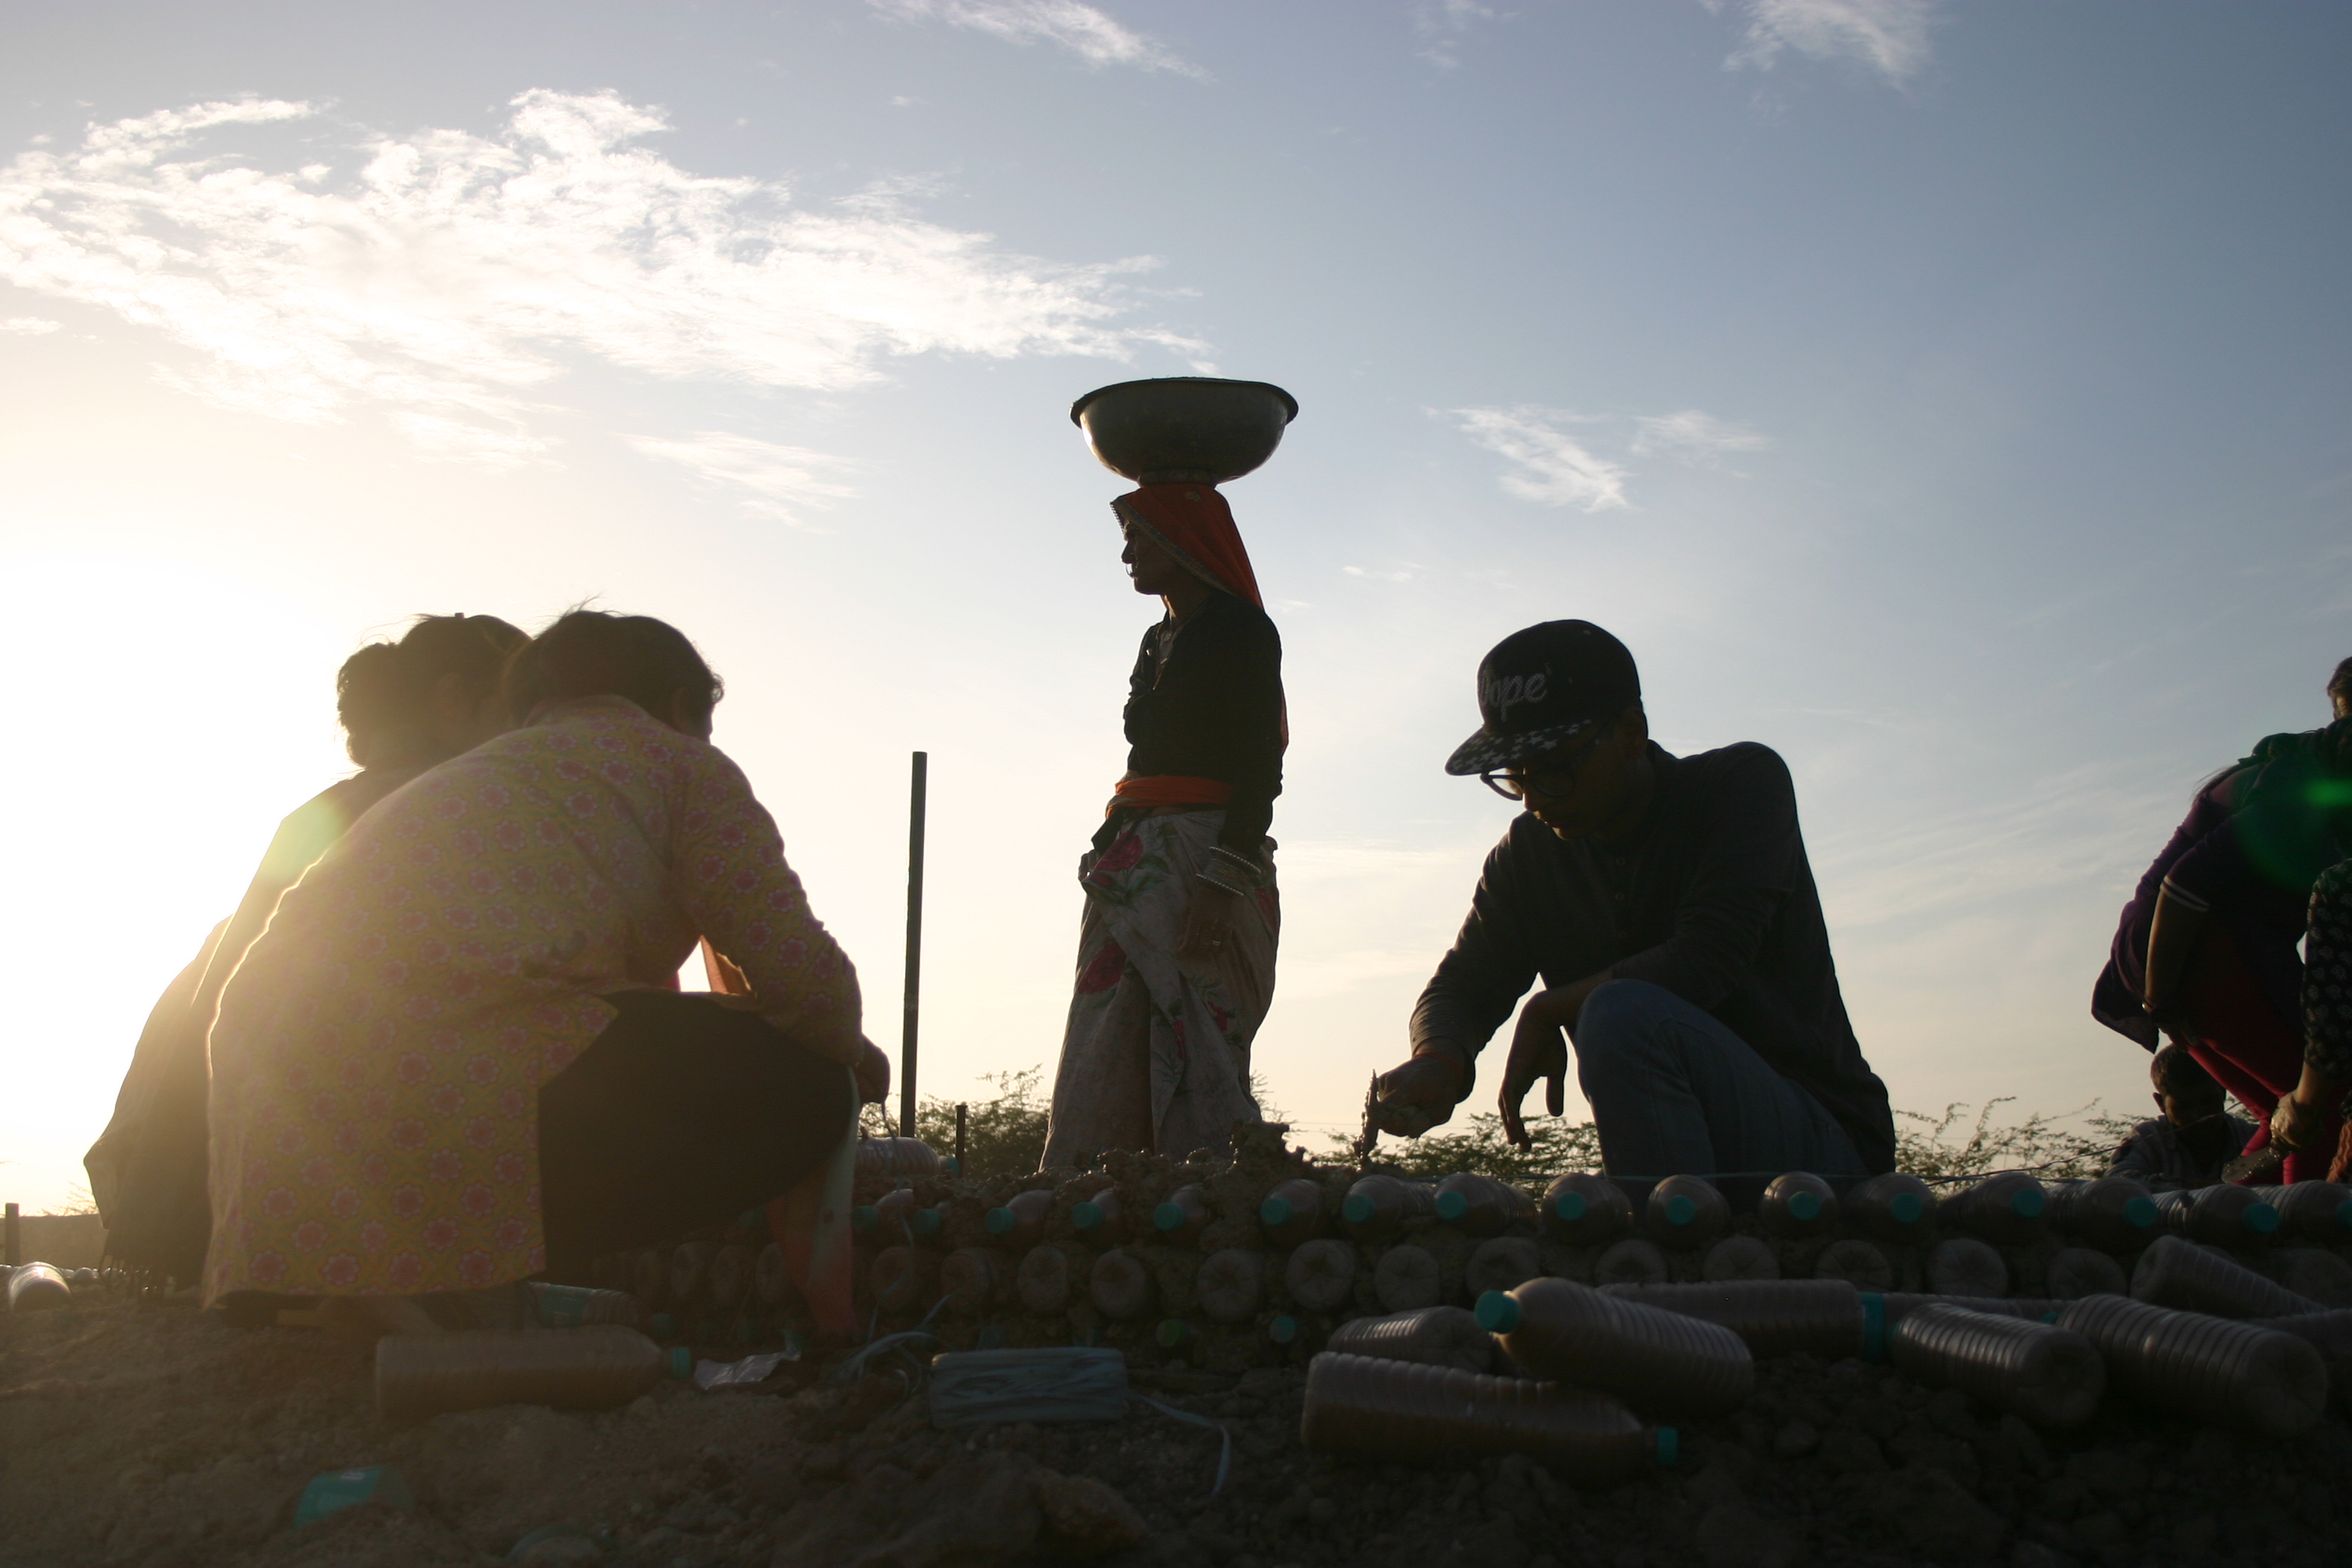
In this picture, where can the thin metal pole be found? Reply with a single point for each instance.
(963, 1124)
(908, 1025)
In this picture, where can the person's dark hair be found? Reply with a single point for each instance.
(2174, 1071)
(383, 692)
(2339, 685)
(594, 653)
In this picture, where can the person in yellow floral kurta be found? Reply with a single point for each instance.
(379, 1057)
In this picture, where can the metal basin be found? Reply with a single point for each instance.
(1184, 429)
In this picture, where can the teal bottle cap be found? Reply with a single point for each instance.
(339, 1489)
(681, 1363)
(1498, 1312)
(1451, 1206)
(2140, 1214)
(2261, 1218)
(1874, 1326)
(2027, 1202)
(1274, 1211)
(1283, 1330)
(1681, 1209)
(2343, 1214)
(1569, 1206)
(1171, 1332)
(1907, 1208)
(561, 1306)
(865, 1216)
(1805, 1206)
(951, 1165)
(1169, 1217)
(925, 1221)
(1669, 1449)
(1088, 1215)
(1357, 1209)
(999, 1220)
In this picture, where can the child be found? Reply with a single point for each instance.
(2195, 1137)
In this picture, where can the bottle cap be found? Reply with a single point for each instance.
(1000, 1220)
(1874, 1326)
(2140, 1214)
(1088, 1215)
(1169, 1217)
(1451, 1206)
(1283, 1330)
(1274, 1211)
(1681, 1209)
(1907, 1208)
(1805, 1206)
(1569, 1206)
(1669, 1448)
(1357, 1209)
(2027, 1202)
(681, 1363)
(1498, 1312)
(1171, 1332)
(951, 1165)
(2261, 1218)
(2343, 1214)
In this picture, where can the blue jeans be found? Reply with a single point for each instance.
(1675, 1093)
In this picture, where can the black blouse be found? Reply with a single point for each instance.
(1212, 709)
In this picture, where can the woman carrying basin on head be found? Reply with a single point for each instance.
(1176, 948)
(451, 1062)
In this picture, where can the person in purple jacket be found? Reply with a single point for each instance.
(1668, 907)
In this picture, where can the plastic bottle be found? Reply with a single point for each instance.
(1295, 1211)
(903, 1279)
(2314, 1211)
(1585, 1210)
(576, 1306)
(2114, 1214)
(1378, 1209)
(417, 1376)
(1501, 1263)
(1180, 1220)
(1558, 1329)
(1100, 1221)
(895, 1159)
(1480, 1206)
(772, 1278)
(1857, 1262)
(1370, 1408)
(37, 1287)
(2074, 1272)
(1894, 1306)
(649, 1277)
(2182, 1275)
(901, 1216)
(2229, 1217)
(1771, 1317)
(1433, 1336)
(1740, 1258)
(730, 1277)
(690, 1269)
(1120, 1287)
(2313, 1273)
(1231, 1285)
(1896, 1207)
(1963, 1266)
(2045, 1376)
(1407, 1277)
(974, 1278)
(2247, 1375)
(1019, 1223)
(1281, 1329)
(1320, 1275)
(2329, 1334)
(1051, 1277)
(2007, 1207)
(1684, 1211)
(1798, 1203)
(1631, 1261)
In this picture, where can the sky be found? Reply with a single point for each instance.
(1952, 396)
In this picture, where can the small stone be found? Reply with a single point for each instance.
(1851, 1453)
(1795, 1440)
(1087, 1518)
(563, 1552)
(1322, 1511)
(2031, 1452)
(659, 1541)
(2098, 1532)
(2033, 1554)
(1732, 1535)
(2193, 1537)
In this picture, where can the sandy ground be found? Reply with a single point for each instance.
(158, 1437)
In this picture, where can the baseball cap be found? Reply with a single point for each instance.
(1544, 685)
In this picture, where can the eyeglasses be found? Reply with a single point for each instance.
(1554, 781)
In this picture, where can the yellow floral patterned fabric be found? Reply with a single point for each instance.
(377, 1058)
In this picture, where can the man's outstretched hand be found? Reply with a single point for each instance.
(1538, 1050)
(1410, 1100)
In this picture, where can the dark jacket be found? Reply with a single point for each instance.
(1711, 897)
(1213, 709)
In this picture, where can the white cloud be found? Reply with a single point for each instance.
(1081, 29)
(1441, 24)
(443, 276)
(783, 481)
(29, 326)
(1694, 436)
(1889, 37)
(1554, 467)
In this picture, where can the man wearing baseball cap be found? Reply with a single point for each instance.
(1665, 908)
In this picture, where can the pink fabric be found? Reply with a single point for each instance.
(2250, 1050)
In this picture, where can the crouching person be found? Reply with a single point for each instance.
(2195, 1138)
(452, 1061)
(1667, 906)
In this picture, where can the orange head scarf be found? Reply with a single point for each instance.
(1194, 523)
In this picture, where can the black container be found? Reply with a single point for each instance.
(1184, 429)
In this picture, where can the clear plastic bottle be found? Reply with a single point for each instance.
(577, 1306)
(2232, 1216)
(2245, 1375)
(1378, 1209)
(1685, 1211)
(2315, 1211)
(1896, 1206)
(2074, 1272)
(1295, 1211)
(1180, 1220)
(1051, 1277)
(1375, 1409)
(772, 1276)
(1120, 1287)
(1231, 1285)
(2007, 1207)
(2045, 1375)
(904, 1280)
(1771, 1317)
(974, 1278)
(1740, 1258)
(1558, 1329)
(1019, 1223)
(1798, 1203)
(730, 1285)
(1406, 1278)
(901, 1216)
(1501, 1263)
(1320, 1275)
(895, 1159)
(1857, 1262)
(419, 1376)
(1585, 1210)
(1963, 1266)
(1433, 1336)
(1480, 1206)
(2182, 1275)
(2329, 1334)
(2114, 1213)
(37, 1287)
(2313, 1272)
(1631, 1261)
(1100, 1221)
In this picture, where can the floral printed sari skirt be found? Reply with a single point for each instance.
(1156, 1054)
